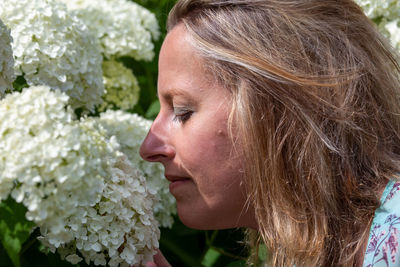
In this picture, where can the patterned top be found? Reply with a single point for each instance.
(383, 242)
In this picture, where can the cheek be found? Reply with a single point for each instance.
(213, 164)
(207, 150)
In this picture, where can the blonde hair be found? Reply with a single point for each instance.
(317, 110)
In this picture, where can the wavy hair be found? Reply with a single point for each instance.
(316, 108)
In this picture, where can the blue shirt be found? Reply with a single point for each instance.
(383, 242)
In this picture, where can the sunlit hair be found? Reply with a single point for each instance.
(316, 96)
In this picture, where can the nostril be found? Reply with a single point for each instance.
(156, 152)
(155, 147)
(158, 157)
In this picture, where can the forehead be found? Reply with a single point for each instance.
(177, 42)
(180, 65)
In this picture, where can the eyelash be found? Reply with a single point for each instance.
(182, 115)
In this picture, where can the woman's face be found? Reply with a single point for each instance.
(190, 138)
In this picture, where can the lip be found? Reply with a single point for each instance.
(175, 178)
(176, 181)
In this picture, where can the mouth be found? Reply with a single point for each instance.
(176, 182)
(174, 178)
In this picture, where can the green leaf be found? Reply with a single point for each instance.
(14, 228)
(20, 83)
(262, 253)
(210, 258)
(5, 261)
(153, 109)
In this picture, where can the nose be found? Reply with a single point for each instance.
(155, 147)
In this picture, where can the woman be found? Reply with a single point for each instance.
(283, 117)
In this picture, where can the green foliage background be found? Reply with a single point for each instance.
(180, 245)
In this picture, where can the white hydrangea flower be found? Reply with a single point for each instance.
(53, 47)
(386, 13)
(123, 27)
(130, 131)
(6, 60)
(24, 125)
(122, 87)
(389, 9)
(393, 29)
(121, 222)
(78, 188)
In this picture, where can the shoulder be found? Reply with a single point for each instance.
(383, 243)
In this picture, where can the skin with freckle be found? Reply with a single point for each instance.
(190, 138)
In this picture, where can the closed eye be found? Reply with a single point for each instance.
(182, 114)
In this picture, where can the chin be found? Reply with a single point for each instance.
(194, 219)
(200, 221)
(200, 225)
(195, 224)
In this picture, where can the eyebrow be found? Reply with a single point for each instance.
(173, 92)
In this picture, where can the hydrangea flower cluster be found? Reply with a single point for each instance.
(78, 188)
(123, 27)
(6, 60)
(53, 47)
(130, 130)
(122, 87)
(393, 29)
(378, 8)
(386, 13)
